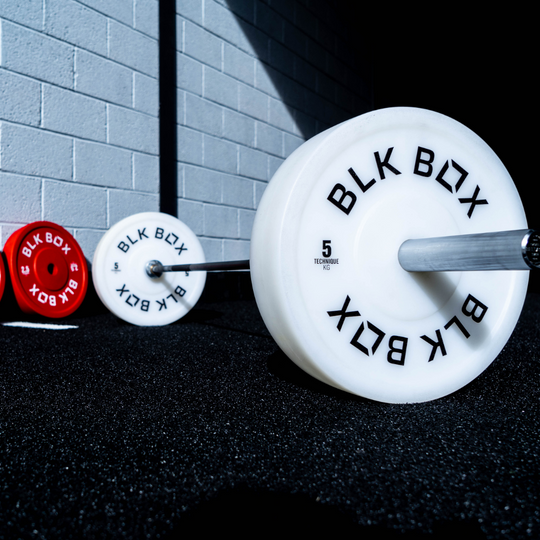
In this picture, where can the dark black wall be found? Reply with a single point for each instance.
(478, 70)
(477, 67)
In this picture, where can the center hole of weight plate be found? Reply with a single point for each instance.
(385, 226)
(51, 269)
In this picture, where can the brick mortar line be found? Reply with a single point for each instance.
(221, 137)
(75, 46)
(270, 37)
(101, 187)
(332, 101)
(217, 205)
(90, 8)
(220, 171)
(232, 175)
(239, 144)
(282, 73)
(76, 138)
(82, 93)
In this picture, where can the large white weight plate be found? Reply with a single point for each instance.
(119, 269)
(324, 261)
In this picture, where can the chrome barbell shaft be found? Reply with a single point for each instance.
(155, 268)
(504, 250)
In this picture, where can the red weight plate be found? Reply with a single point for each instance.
(48, 269)
(3, 276)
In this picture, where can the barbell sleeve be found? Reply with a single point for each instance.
(504, 250)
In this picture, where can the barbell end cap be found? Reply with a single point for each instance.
(154, 269)
(530, 247)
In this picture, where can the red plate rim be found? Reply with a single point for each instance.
(11, 250)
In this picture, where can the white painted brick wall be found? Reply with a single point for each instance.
(254, 80)
(79, 109)
(79, 103)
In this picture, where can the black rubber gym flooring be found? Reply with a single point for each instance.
(114, 431)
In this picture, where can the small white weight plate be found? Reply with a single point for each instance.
(119, 269)
(324, 260)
